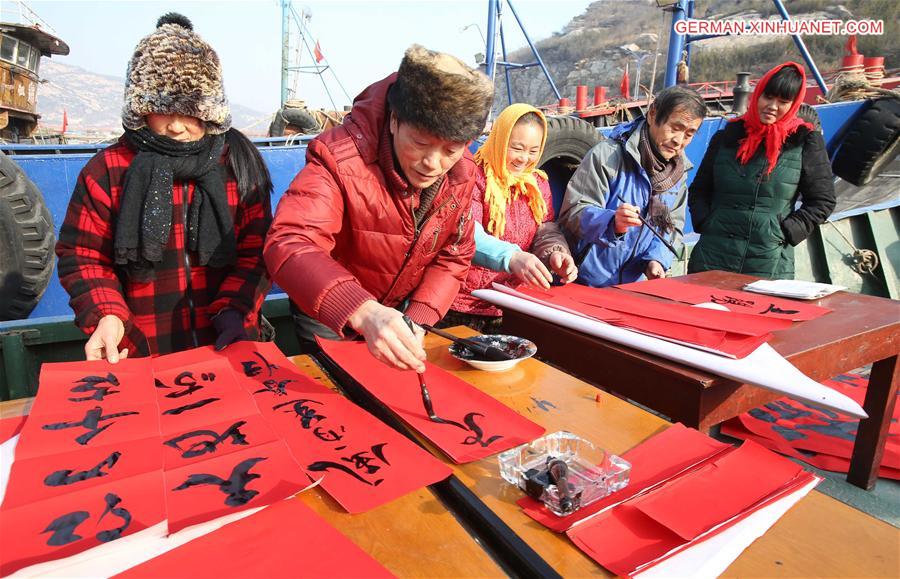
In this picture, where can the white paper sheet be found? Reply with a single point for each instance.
(764, 367)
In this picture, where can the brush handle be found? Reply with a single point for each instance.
(489, 352)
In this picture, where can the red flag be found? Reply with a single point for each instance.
(850, 48)
(624, 85)
(65, 123)
(317, 52)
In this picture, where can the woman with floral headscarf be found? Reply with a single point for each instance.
(513, 212)
(743, 201)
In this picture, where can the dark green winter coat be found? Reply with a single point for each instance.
(749, 222)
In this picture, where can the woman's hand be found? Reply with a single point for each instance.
(563, 265)
(529, 269)
(104, 342)
(388, 337)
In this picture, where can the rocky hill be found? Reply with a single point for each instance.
(93, 102)
(594, 47)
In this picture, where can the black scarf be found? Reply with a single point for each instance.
(144, 223)
(664, 174)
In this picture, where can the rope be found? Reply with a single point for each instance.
(862, 261)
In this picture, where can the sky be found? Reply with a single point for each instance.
(362, 41)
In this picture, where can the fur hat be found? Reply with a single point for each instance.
(173, 71)
(438, 93)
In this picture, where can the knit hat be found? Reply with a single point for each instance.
(173, 71)
(439, 94)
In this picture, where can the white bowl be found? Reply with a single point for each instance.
(513, 345)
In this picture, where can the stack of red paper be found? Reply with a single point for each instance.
(822, 438)
(686, 489)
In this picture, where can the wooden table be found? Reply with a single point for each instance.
(818, 537)
(860, 330)
(413, 536)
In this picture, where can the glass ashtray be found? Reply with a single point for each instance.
(564, 471)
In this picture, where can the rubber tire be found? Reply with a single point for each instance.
(568, 138)
(871, 144)
(27, 241)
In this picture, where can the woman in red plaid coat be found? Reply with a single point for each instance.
(161, 248)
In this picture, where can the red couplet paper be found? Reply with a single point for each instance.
(819, 435)
(656, 460)
(644, 530)
(66, 525)
(52, 476)
(197, 388)
(734, 300)
(719, 341)
(362, 462)
(10, 427)
(67, 386)
(226, 484)
(86, 426)
(285, 538)
(481, 426)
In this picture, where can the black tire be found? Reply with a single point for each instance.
(568, 141)
(871, 144)
(28, 240)
(300, 118)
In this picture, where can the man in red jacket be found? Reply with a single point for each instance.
(378, 220)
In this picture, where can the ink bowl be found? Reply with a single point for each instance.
(564, 471)
(519, 348)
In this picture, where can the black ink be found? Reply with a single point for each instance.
(159, 383)
(92, 419)
(92, 384)
(544, 405)
(193, 406)
(477, 434)
(251, 368)
(732, 301)
(327, 435)
(214, 439)
(361, 461)
(186, 379)
(776, 310)
(324, 465)
(112, 502)
(276, 387)
(65, 476)
(304, 412)
(233, 486)
(63, 528)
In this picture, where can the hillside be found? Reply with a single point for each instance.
(93, 102)
(594, 47)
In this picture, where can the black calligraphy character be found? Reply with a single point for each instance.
(251, 368)
(731, 301)
(304, 412)
(776, 310)
(544, 405)
(234, 486)
(325, 465)
(92, 384)
(276, 387)
(205, 446)
(159, 383)
(477, 434)
(192, 406)
(63, 528)
(92, 419)
(327, 435)
(186, 379)
(65, 476)
(360, 460)
(112, 502)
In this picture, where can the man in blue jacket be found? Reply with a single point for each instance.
(640, 170)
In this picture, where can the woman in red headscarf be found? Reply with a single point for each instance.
(743, 200)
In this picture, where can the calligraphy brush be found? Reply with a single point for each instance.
(488, 352)
(653, 230)
(426, 396)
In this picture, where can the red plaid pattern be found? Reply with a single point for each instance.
(157, 314)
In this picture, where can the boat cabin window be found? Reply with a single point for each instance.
(20, 53)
